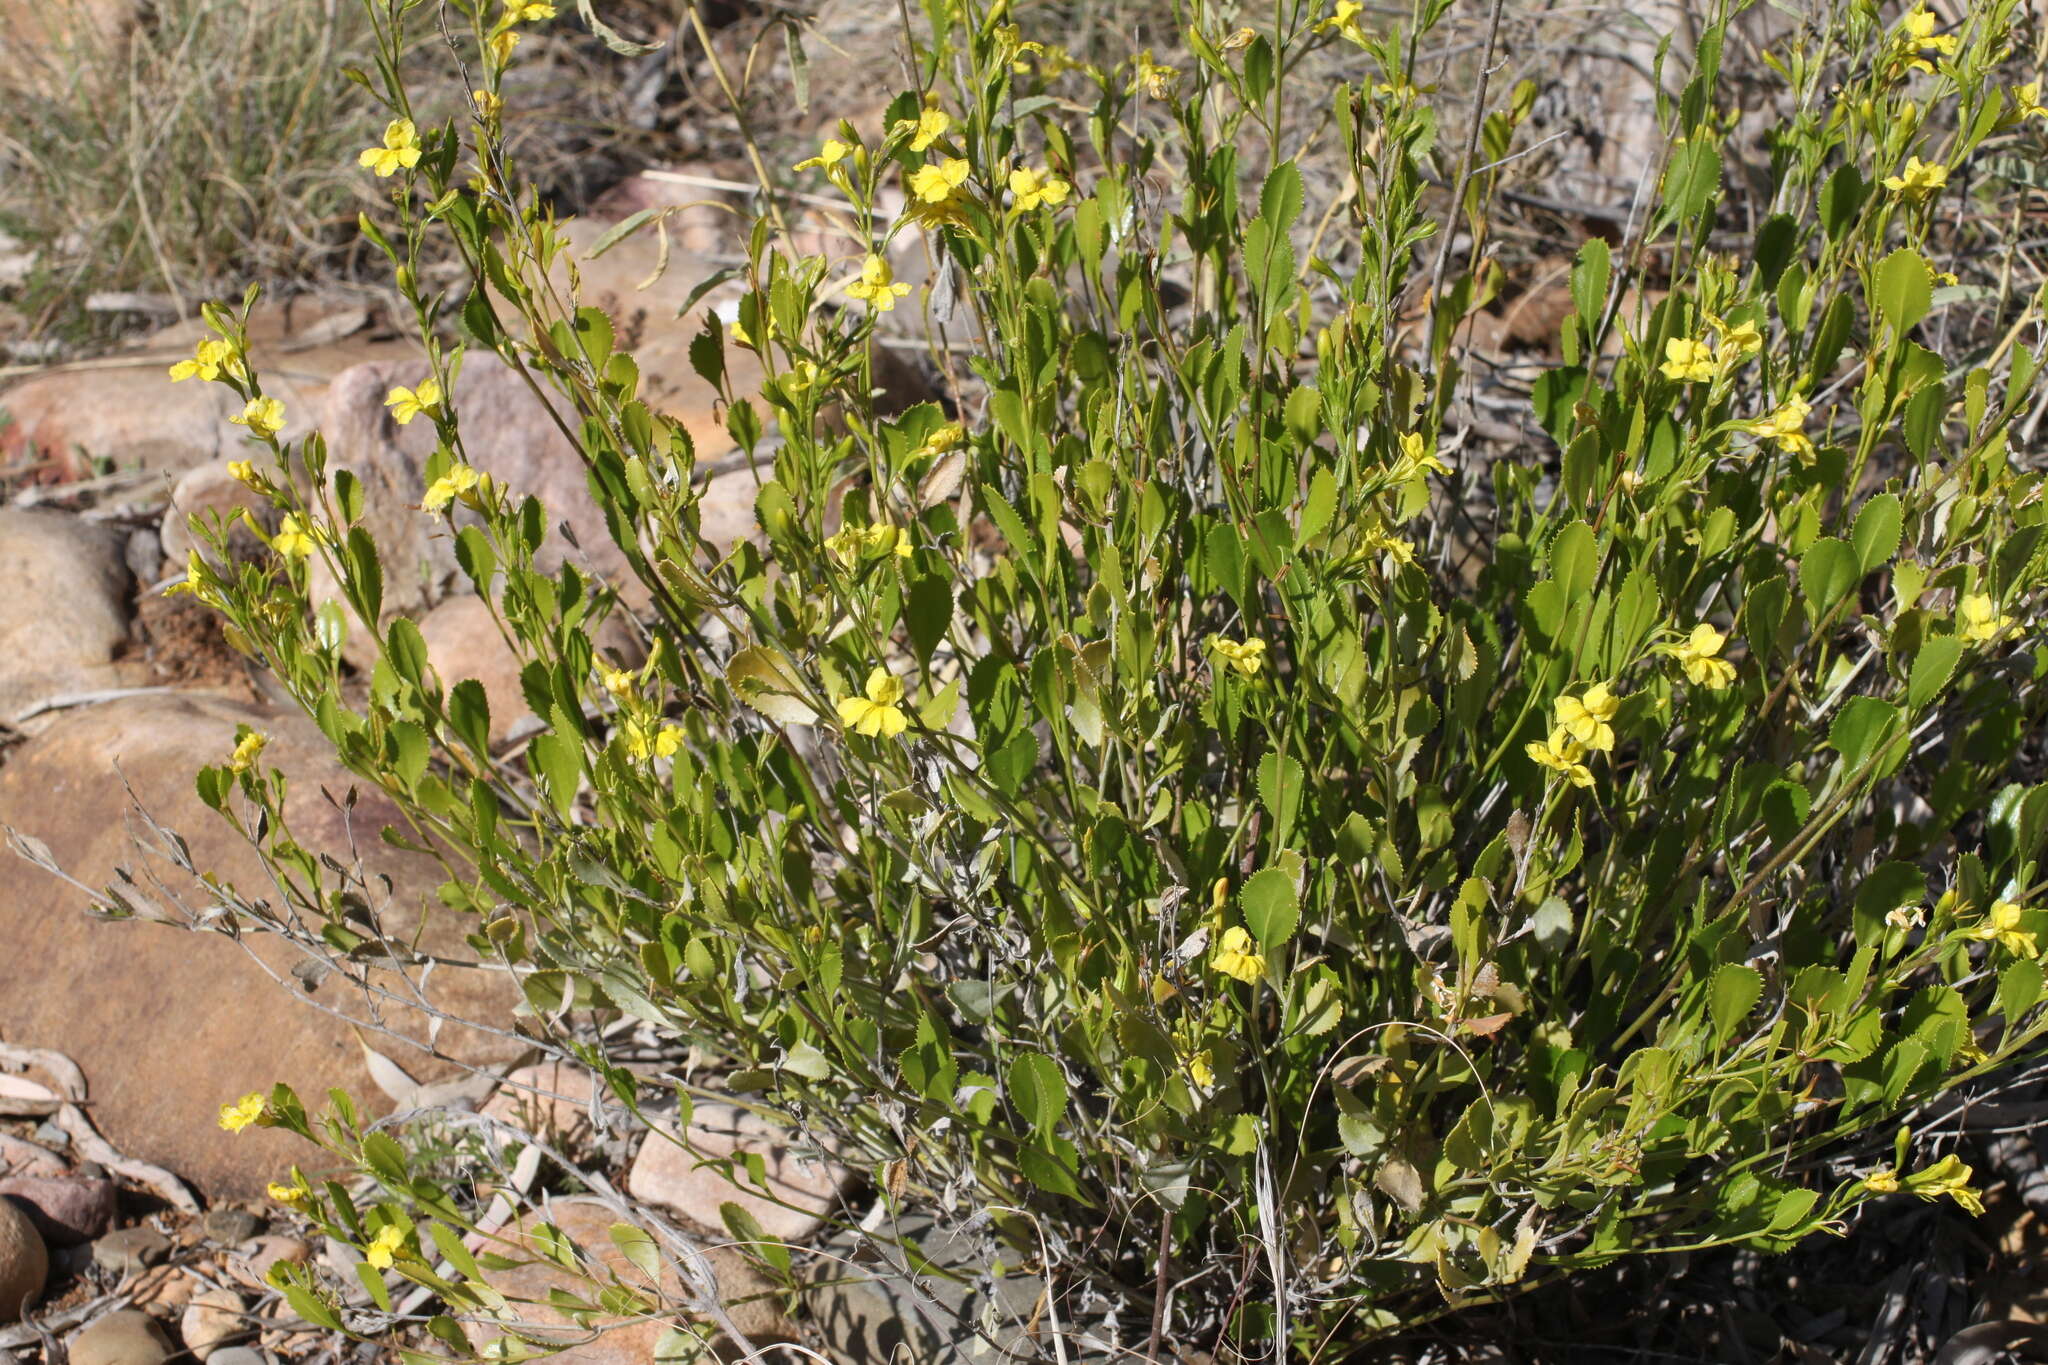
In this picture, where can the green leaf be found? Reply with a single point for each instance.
(1280, 788)
(385, 1158)
(1050, 1163)
(1574, 560)
(1905, 289)
(1933, 666)
(1693, 179)
(1271, 906)
(1280, 198)
(407, 649)
(1589, 281)
(638, 1247)
(927, 613)
(1827, 571)
(765, 680)
(1876, 534)
(2019, 989)
(1863, 728)
(1732, 992)
(1038, 1091)
(312, 1307)
(469, 713)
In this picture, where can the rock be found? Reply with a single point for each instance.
(163, 1290)
(252, 1260)
(208, 491)
(135, 417)
(873, 1315)
(692, 1179)
(239, 1355)
(202, 1008)
(212, 1319)
(130, 1251)
(24, 1262)
(550, 1100)
(65, 611)
(126, 1337)
(512, 438)
(748, 1298)
(65, 1211)
(230, 1226)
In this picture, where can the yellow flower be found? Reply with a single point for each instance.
(831, 154)
(244, 473)
(460, 480)
(1343, 21)
(1885, 1181)
(263, 416)
(1585, 718)
(616, 681)
(385, 1247)
(210, 360)
(527, 11)
(1033, 188)
(1688, 360)
(938, 183)
(1156, 81)
(2026, 100)
(1162, 989)
(942, 439)
(862, 542)
(1381, 541)
(406, 404)
(1417, 458)
(501, 46)
(1948, 1176)
(647, 740)
(246, 749)
(243, 1112)
(401, 149)
(1919, 180)
(878, 713)
(1246, 658)
(1237, 957)
(1697, 656)
(292, 540)
(1201, 1066)
(1917, 28)
(2003, 925)
(1978, 618)
(1787, 426)
(1563, 754)
(928, 127)
(488, 105)
(291, 1196)
(877, 284)
(1738, 341)
(1242, 38)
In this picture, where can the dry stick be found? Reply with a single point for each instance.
(1443, 254)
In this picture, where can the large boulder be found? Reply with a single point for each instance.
(168, 1024)
(129, 413)
(747, 1297)
(64, 614)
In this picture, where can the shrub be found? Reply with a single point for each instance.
(1179, 800)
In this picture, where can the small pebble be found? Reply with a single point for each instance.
(65, 1211)
(238, 1355)
(230, 1227)
(126, 1337)
(24, 1262)
(130, 1251)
